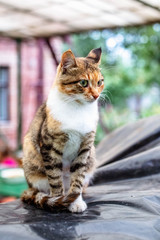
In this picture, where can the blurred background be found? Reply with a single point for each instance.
(33, 35)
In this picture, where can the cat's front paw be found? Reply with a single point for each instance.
(78, 205)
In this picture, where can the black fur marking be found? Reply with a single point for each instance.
(48, 134)
(54, 166)
(47, 159)
(83, 151)
(33, 168)
(47, 147)
(48, 167)
(58, 165)
(45, 137)
(79, 182)
(77, 186)
(55, 186)
(77, 166)
(53, 177)
(68, 83)
(57, 151)
(81, 175)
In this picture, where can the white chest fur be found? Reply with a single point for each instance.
(71, 148)
(76, 120)
(73, 116)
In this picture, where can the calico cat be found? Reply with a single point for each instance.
(59, 155)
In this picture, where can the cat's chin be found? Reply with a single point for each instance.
(91, 100)
(84, 102)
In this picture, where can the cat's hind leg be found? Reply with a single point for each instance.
(28, 196)
(38, 193)
(38, 189)
(41, 199)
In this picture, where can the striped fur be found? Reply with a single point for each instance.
(59, 155)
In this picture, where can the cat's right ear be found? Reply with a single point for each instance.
(68, 60)
(95, 55)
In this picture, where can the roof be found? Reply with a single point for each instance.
(44, 18)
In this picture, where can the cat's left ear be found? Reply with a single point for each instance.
(95, 55)
(68, 60)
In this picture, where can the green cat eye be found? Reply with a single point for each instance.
(84, 83)
(99, 83)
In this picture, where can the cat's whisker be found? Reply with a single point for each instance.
(109, 67)
(102, 100)
(104, 97)
(105, 92)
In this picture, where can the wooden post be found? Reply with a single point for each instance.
(19, 102)
(39, 85)
(47, 40)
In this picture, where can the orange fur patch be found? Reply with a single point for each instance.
(69, 82)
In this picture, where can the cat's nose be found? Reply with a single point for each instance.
(95, 96)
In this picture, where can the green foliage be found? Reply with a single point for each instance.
(153, 110)
(131, 67)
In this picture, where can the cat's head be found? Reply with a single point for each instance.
(80, 78)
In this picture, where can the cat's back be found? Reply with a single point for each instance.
(36, 124)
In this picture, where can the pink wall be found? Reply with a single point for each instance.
(8, 57)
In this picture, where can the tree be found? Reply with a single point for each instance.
(130, 65)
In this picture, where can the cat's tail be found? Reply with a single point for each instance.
(44, 201)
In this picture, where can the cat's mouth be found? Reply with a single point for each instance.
(92, 100)
(82, 99)
(81, 102)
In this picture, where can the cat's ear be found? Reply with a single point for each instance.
(95, 55)
(68, 60)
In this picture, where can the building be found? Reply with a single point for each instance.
(37, 70)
